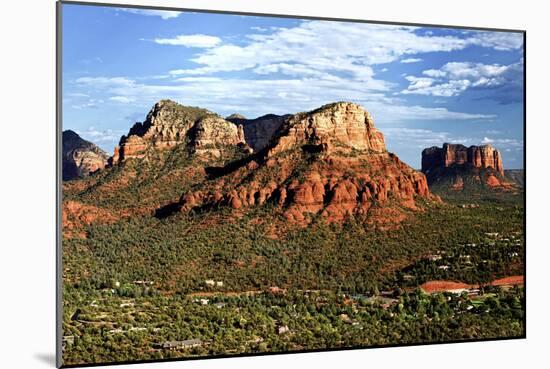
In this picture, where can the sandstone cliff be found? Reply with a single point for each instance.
(477, 156)
(330, 162)
(80, 158)
(169, 124)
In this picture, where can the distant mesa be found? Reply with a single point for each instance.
(457, 167)
(517, 176)
(80, 158)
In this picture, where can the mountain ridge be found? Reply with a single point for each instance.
(80, 158)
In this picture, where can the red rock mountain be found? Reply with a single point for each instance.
(80, 158)
(453, 165)
(330, 162)
(169, 124)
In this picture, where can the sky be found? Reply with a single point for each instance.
(423, 85)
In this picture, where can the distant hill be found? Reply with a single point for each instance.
(516, 175)
(80, 158)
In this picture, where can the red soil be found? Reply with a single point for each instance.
(506, 281)
(442, 286)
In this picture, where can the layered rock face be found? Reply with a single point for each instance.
(342, 124)
(80, 158)
(330, 162)
(212, 133)
(458, 166)
(477, 156)
(258, 132)
(169, 124)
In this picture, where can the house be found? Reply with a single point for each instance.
(212, 283)
(434, 257)
(282, 329)
(219, 305)
(177, 345)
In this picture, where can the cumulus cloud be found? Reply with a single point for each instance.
(322, 48)
(502, 41)
(342, 47)
(454, 78)
(198, 40)
(255, 97)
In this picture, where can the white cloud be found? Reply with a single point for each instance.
(100, 136)
(411, 60)
(420, 139)
(104, 81)
(322, 47)
(121, 99)
(164, 14)
(456, 77)
(198, 40)
(503, 41)
(256, 97)
(337, 47)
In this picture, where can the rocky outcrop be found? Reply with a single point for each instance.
(331, 162)
(259, 132)
(457, 167)
(212, 134)
(169, 124)
(341, 124)
(450, 154)
(80, 158)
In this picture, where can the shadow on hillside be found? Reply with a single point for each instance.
(167, 210)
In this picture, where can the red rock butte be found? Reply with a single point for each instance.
(484, 156)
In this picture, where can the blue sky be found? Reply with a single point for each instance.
(423, 86)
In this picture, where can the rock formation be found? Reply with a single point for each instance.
(169, 124)
(258, 132)
(456, 166)
(80, 158)
(338, 124)
(484, 156)
(330, 162)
